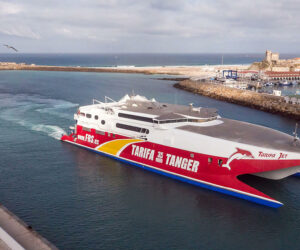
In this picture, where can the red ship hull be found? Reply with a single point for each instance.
(191, 167)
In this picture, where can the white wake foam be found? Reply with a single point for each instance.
(52, 131)
(21, 109)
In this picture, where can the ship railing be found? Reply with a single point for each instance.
(107, 99)
(97, 102)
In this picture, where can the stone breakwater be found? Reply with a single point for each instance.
(72, 69)
(187, 71)
(264, 102)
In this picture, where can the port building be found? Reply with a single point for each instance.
(284, 75)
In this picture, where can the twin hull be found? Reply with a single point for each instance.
(203, 170)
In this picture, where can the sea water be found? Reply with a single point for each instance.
(125, 59)
(81, 200)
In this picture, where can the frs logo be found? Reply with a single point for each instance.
(239, 154)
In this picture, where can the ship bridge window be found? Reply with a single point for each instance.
(88, 115)
(197, 120)
(172, 121)
(185, 120)
(82, 114)
(132, 128)
(102, 122)
(136, 117)
(96, 117)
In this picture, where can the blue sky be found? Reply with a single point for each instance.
(150, 26)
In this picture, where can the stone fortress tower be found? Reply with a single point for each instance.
(271, 57)
(272, 62)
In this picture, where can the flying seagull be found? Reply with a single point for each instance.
(10, 47)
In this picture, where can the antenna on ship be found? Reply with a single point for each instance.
(296, 138)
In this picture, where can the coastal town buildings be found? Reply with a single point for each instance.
(284, 75)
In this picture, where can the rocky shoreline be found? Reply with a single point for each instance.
(264, 102)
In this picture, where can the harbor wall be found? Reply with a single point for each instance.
(203, 71)
(260, 101)
(71, 69)
(16, 234)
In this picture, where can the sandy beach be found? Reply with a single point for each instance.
(188, 71)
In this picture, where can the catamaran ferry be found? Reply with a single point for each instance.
(187, 143)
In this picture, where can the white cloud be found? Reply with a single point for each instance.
(18, 30)
(154, 25)
(7, 8)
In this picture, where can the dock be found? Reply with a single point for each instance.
(17, 235)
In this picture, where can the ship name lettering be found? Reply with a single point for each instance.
(266, 155)
(142, 152)
(181, 162)
(282, 156)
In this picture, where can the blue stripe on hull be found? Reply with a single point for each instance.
(298, 174)
(199, 184)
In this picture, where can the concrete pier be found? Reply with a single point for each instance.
(17, 235)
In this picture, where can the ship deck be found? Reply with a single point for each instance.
(247, 133)
(166, 110)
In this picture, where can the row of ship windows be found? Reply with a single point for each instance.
(133, 128)
(183, 120)
(147, 119)
(96, 117)
(134, 117)
(89, 116)
(122, 126)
